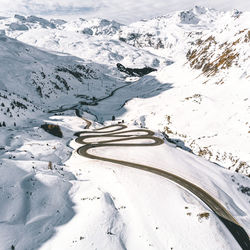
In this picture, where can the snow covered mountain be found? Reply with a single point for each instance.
(213, 56)
(34, 80)
(209, 47)
(196, 98)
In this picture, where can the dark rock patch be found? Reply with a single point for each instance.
(135, 71)
(52, 129)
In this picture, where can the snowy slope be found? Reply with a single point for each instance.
(197, 100)
(90, 40)
(88, 204)
(213, 85)
(35, 80)
(171, 31)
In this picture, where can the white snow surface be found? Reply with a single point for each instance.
(52, 198)
(82, 203)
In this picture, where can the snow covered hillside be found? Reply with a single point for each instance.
(33, 80)
(208, 104)
(50, 203)
(90, 40)
(72, 74)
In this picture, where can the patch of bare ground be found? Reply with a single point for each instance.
(211, 57)
(195, 98)
(168, 130)
(205, 152)
(240, 166)
(204, 215)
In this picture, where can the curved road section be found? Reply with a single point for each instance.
(116, 135)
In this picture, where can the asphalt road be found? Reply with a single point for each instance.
(116, 135)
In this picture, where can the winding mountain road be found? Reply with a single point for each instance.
(119, 136)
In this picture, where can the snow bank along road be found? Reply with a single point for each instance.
(121, 135)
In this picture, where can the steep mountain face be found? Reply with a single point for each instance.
(96, 27)
(33, 80)
(210, 48)
(223, 52)
(28, 64)
(21, 23)
(170, 32)
(221, 57)
(90, 40)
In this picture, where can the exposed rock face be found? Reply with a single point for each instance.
(98, 27)
(135, 71)
(214, 57)
(52, 129)
(142, 40)
(17, 26)
(188, 17)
